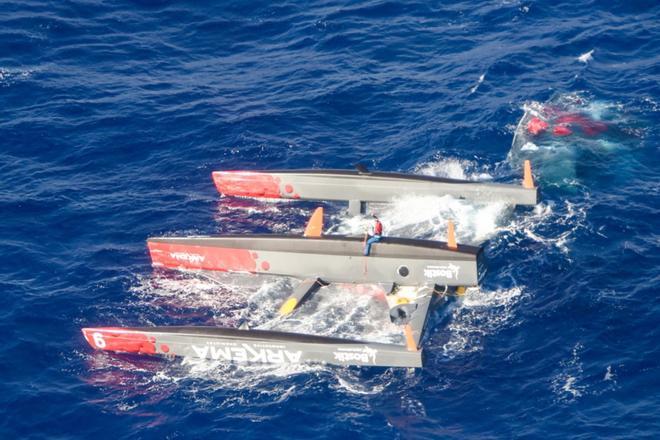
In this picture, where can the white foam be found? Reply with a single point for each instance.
(476, 86)
(654, 106)
(566, 384)
(222, 294)
(341, 310)
(535, 225)
(427, 217)
(586, 57)
(413, 406)
(356, 385)
(609, 375)
(453, 168)
(10, 76)
(479, 313)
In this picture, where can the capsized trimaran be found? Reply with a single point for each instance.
(417, 273)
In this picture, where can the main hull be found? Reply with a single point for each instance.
(250, 346)
(363, 187)
(331, 258)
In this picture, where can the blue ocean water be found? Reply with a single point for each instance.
(115, 113)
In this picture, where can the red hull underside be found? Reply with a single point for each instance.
(117, 339)
(247, 184)
(176, 256)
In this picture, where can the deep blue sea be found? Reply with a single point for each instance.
(115, 113)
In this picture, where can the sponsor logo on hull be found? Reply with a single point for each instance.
(364, 355)
(449, 271)
(247, 353)
(187, 257)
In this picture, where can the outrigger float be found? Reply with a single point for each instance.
(415, 275)
(361, 186)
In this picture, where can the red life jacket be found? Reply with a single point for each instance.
(378, 228)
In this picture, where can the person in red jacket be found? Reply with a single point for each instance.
(375, 237)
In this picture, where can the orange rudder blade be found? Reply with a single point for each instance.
(410, 341)
(528, 180)
(451, 235)
(315, 225)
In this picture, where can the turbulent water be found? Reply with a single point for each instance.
(115, 113)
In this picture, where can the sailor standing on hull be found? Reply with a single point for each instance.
(375, 237)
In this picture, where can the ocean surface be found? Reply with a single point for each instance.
(115, 113)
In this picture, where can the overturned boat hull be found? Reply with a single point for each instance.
(250, 346)
(363, 187)
(331, 258)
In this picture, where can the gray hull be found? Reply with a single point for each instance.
(356, 187)
(250, 346)
(330, 258)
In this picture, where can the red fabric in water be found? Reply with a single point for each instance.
(536, 126)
